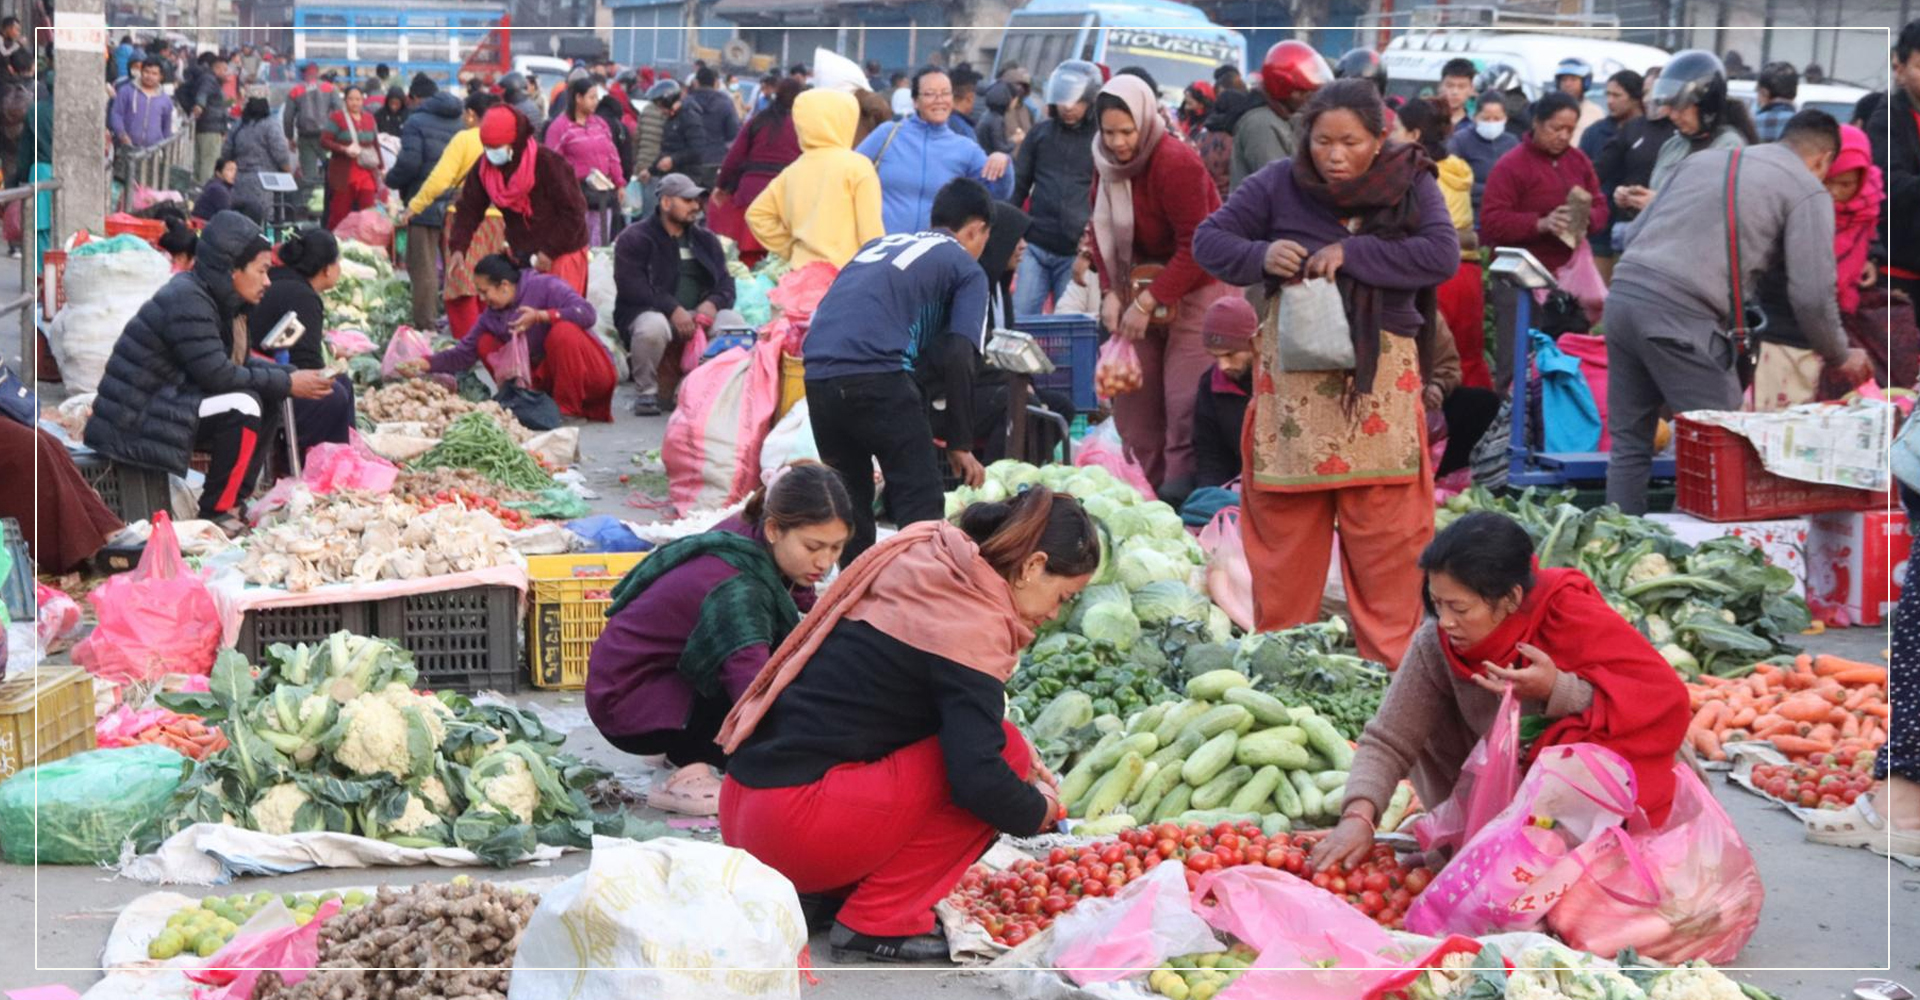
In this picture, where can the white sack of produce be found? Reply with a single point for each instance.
(791, 440)
(735, 931)
(104, 290)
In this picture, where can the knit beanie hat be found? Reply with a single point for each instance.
(500, 127)
(1229, 325)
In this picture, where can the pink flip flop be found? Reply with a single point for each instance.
(693, 790)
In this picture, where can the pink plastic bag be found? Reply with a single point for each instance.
(158, 619)
(712, 445)
(349, 343)
(1512, 872)
(1150, 921)
(1295, 926)
(1229, 577)
(119, 727)
(293, 949)
(370, 226)
(1103, 447)
(1581, 277)
(57, 616)
(510, 362)
(408, 344)
(1686, 891)
(1487, 783)
(1591, 350)
(1118, 371)
(330, 466)
(799, 293)
(695, 349)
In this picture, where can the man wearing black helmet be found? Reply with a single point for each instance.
(1692, 90)
(1290, 74)
(520, 93)
(1054, 168)
(1675, 293)
(1574, 77)
(1363, 64)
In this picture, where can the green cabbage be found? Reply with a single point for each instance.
(1140, 565)
(1165, 600)
(1113, 623)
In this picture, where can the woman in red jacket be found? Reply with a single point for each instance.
(1525, 201)
(1138, 227)
(759, 152)
(357, 164)
(525, 181)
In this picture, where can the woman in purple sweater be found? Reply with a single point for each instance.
(692, 625)
(1343, 446)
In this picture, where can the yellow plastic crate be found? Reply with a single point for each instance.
(63, 725)
(793, 384)
(569, 608)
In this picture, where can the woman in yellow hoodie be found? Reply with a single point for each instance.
(826, 204)
(1461, 300)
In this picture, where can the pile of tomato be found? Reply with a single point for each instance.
(507, 516)
(1019, 902)
(1830, 781)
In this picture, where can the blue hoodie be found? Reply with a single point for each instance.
(917, 164)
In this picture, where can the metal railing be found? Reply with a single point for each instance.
(22, 305)
(152, 166)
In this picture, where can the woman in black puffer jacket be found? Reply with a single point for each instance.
(181, 376)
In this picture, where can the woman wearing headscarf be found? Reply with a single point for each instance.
(356, 169)
(1150, 194)
(525, 181)
(257, 145)
(393, 112)
(578, 133)
(1345, 447)
(759, 152)
(871, 758)
(308, 267)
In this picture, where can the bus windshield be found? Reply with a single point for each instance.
(1173, 58)
(1039, 42)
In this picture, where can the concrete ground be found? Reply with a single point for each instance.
(1831, 916)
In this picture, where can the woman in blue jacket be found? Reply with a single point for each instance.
(918, 155)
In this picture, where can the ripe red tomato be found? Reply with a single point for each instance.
(1167, 831)
(1058, 855)
(1418, 879)
(1371, 903)
(1376, 882)
(1054, 904)
(1202, 862)
(1015, 935)
(1094, 888)
(1112, 854)
(1167, 847)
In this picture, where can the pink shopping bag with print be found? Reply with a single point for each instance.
(1514, 870)
(1486, 785)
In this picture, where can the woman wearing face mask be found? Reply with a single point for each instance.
(1341, 447)
(358, 163)
(567, 362)
(1151, 192)
(1486, 142)
(1525, 204)
(1499, 623)
(585, 139)
(537, 194)
(872, 757)
(181, 376)
(309, 267)
(691, 626)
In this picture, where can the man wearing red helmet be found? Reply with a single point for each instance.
(1289, 75)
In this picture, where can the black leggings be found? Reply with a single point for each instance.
(1469, 413)
(692, 744)
(233, 436)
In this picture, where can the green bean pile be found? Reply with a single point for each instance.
(475, 441)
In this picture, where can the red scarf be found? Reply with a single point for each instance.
(1639, 706)
(512, 192)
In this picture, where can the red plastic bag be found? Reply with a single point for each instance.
(1229, 577)
(57, 616)
(1686, 891)
(1118, 371)
(370, 226)
(1296, 926)
(1511, 873)
(158, 619)
(293, 949)
(799, 293)
(1104, 448)
(1487, 784)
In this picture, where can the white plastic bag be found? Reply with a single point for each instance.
(104, 290)
(791, 440)
(1150, 921)
(1310, 324)
(664, 918)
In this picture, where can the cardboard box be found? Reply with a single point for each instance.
(1784, 540)
(1856, 562)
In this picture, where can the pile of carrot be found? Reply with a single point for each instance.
(183, 733)
(1817, 706)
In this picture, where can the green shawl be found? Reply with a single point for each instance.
(748, 609)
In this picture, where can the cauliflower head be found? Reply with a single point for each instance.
(1695, 981)
(433, 711)
(513, 790)
(436, 794)
(1651, 566)
(274, 811)
(414, 818)
(377, 736)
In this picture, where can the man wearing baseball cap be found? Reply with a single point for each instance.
(671, 276)
(1221, 404)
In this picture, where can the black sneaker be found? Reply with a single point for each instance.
(848, 945)
(647, 405)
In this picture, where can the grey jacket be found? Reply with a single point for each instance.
(1677, 249)
(256, 147)
(1260, 137)
(1678, 147)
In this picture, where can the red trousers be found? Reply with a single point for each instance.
(1156, 420)
(357, 195)
(887, 834)
(573, 368)
(462, 313)
(572, 269)
(1462, 301)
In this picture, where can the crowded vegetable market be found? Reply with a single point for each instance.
(1421, 523)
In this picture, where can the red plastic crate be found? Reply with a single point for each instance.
(1719, 477)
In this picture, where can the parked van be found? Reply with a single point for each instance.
(1173, 42)
(1414, 60)
(1835, 99)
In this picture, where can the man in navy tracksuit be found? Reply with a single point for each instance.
(901, 329)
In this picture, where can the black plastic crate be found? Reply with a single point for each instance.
(462, 640)
(311, 624)
(133, 492)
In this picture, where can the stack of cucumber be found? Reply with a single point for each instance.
(1227, 753)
